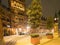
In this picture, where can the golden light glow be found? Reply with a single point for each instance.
(17, 5)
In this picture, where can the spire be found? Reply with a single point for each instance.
(55, 15)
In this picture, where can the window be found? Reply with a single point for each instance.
(17, 5)
(20, 13)
(4, 25)
(22, 0)
(8, 20)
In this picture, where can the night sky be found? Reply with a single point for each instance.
(49, 7)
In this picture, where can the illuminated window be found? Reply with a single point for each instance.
(14, 4)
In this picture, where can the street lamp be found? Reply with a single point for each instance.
(56, 20)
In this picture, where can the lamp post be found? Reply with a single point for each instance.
(56, 22)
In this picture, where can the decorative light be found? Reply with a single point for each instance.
(28, 27)
(55, 19)
(8, 26)
(20, 29)
(17, 5)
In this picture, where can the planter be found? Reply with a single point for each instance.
(49, 35)
(35, 39)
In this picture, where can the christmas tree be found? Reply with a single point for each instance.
(34, 13)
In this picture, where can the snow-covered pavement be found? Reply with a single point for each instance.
(17, 40)
(26, 40)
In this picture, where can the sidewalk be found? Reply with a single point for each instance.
(46, 40)
(53, 42)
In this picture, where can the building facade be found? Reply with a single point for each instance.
(13, 14)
